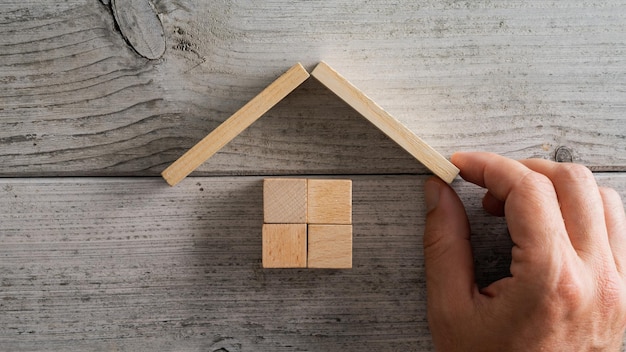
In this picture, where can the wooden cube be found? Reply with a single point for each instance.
(329, 202)
(285, 201)
(284, 245)
(329, 246)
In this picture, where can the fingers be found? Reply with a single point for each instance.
(581, 204)
(447, 250)
(530, 202)
(492, 205)
(494, 172)
(616, 226)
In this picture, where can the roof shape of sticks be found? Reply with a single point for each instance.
(277, 91)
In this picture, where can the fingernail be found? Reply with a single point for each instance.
(431, 194)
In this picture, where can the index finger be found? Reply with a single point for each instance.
(530, 202)
(581, 204)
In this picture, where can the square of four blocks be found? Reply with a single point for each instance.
(307, 223)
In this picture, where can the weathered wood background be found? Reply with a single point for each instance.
(98, 97)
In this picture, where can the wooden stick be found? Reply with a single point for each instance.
(235, 124)
(385, 122)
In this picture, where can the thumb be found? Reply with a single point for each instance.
(447, 250)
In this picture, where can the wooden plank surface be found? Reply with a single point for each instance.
(388, 124)
(521, 78)
(93, 264)
(234, 125)
(130, 264)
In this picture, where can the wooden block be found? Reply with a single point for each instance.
(330, 246)
(284, 201)
(385, 122)
(329, 201)
(235, 124)
(284, 245)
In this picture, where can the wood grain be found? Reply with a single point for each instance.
(329, 246)
(518, 78)
(385, 122)
(89, 265)
(111, 264)
(284, 246)
(329, 201)
(235, 124)
(140, 25)
(284, 201)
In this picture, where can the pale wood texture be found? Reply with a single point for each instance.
(385, 122)
(235, 124)
(284, 245)
(329, 201)
(134, 265)
(284, 201)
(329, 246)
(338, 85)
(521, 78)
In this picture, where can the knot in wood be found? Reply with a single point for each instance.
(563, 155)
(140, 26)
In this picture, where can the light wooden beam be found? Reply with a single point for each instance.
(423, 152)
(235, 124)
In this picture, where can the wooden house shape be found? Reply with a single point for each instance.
(298, 229)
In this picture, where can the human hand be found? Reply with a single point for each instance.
(567, 289)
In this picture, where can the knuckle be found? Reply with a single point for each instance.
(572, 292)
(579, 292)
(532, 189)
(611, 299)
(610, 194)
(534, 180)
(575, 173)
(434, 246)
(611, 293)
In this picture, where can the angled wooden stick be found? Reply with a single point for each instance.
(385, 122)
(235, 124)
